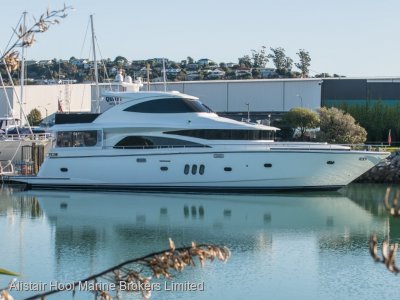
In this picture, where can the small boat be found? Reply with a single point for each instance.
(169, 141)
(13, 138)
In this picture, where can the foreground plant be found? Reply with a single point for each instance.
(25, 37)
(6, 272)
(389, 253)
(4, 294)
(392, 207)
(131, 274)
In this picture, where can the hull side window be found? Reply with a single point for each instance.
(84, 138)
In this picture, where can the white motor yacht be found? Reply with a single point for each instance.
(168, 141)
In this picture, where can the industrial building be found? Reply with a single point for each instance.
(336, 92)
(48, 99)
(232, 98)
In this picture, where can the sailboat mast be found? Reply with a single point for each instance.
(164, 75)
(22, 69)
(96, 73)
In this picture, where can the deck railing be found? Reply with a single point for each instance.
(263, 146)
(27, 137)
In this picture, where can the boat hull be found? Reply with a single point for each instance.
(204, 171)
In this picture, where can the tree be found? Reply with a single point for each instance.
(190, 60)
(322, 75)
(304, 62)
(245, 62)
(120, 61)
(288, 64)
(302, 118)
(283, 63)
(34, 117)
(259, 58)
(278, 58)
(338, 127)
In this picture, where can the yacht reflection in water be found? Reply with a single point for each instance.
(141, 216)
(215, 212)
(92, 231)
(273, 238)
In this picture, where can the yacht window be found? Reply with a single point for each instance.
(194, 169)
(153, 142)
(84, 138)
(201, 170)
(226, 134)
(168, 106)
(186, 170)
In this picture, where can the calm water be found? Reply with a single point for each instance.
(284, 246)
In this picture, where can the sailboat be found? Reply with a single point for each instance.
(14, 138)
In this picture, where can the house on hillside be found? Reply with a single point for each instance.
(268, 73)
(243, 73)
(216, 74)
(205, 62)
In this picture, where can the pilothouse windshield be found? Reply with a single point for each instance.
(168, 106)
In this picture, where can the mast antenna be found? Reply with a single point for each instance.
(96, 73)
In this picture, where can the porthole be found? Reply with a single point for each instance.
(194, 169)
(268, 165)
(64, 169)
(164, 168)
(194, 211)
(201, 169)
(227, 213)
(186, 211)
(218, 155)
(330, 162)
(201, 211)
(227, 169)
(267, 218)
(186, 170)
(140, 160)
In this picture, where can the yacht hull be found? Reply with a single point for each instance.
(203, 171)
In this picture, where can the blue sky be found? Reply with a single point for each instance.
(347, 37)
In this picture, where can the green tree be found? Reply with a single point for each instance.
(278, 57)
(34, 117)
(288, 65)
(259, 58)
(302, 118)
(120, 61)
(190, 60)
(377, 118)
(245, 62)
(304, 62)
(338, 127)
(283, 63)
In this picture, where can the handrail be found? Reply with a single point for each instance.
(289, 146)
(35, 136)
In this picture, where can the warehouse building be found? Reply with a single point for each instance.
(237, 99)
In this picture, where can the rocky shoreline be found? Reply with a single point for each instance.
(385, 172)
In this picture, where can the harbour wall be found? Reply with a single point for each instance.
(385, 172)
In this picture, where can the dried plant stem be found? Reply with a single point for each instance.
(160, 263)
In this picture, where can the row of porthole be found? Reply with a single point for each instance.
(187, 168)
(267, 165)
(193, 169)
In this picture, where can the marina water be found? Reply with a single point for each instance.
(284, 246)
